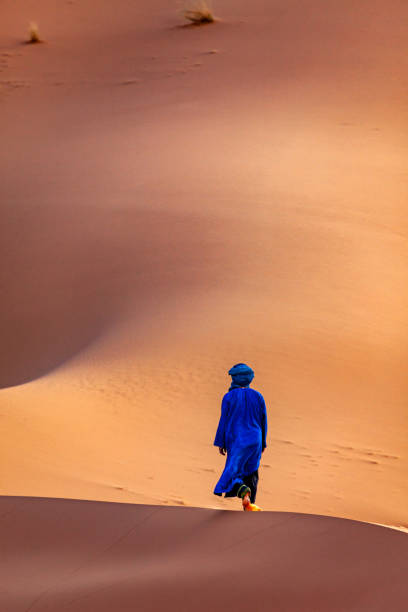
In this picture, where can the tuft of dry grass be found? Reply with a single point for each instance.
(33, 34)
(198, 12)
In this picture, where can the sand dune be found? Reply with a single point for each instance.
(175, 200)
(80, 556)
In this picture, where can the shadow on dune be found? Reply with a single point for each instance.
(60, 554)
(67, 274)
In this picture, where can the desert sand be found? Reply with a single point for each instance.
(83, 556)
(179, 199)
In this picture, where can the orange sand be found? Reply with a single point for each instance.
(178, 199)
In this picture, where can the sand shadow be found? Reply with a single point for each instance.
(68, 274)
(64, 554)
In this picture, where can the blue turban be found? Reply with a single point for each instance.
(241, 375)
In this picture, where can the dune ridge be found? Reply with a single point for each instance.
(81, 555)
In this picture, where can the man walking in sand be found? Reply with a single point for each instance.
(241, 435)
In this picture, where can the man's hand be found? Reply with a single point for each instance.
(222, 450)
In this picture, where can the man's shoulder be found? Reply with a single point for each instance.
(230, 394)
(258, 394)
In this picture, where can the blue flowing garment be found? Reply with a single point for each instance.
(242, 432)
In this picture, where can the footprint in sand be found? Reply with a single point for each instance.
(366, 452)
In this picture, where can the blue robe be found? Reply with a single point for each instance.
(242, 432)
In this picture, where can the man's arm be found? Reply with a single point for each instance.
(220, 435)
(264, 422)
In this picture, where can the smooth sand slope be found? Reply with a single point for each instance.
(178, 199)
(81, 556)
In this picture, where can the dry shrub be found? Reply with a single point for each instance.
(33, 34)
(198, 12)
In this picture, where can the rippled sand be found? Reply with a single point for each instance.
(178, 199)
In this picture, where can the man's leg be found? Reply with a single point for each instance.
(248, 501)
(245, 492)
(252, 482)
(234, 491)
